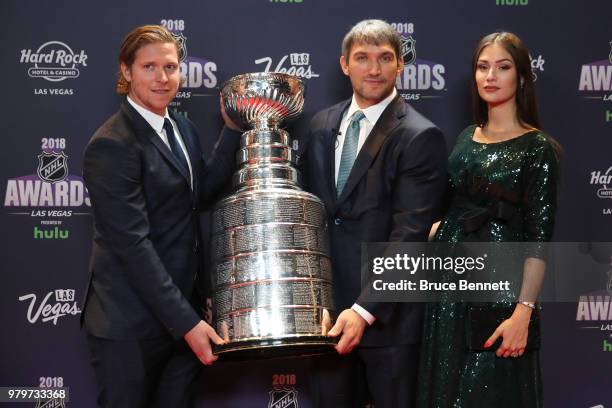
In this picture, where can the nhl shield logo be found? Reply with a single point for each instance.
(51, 403)
(408, 50)
(182, 43)
(283, 398)
(52, 167)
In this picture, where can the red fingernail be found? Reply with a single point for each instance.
(487, 344)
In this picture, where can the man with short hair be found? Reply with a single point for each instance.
(380, 168)
(147, 182)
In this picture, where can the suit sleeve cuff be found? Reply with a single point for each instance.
(367, 316)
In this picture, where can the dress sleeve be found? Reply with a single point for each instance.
(540, 197)
(542, 179)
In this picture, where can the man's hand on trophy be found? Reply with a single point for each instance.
(351, 325)
(199, 339)
(228, 122)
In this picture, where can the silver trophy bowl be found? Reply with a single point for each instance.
(263, 99)
(272, 282)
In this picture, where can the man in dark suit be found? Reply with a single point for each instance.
(147, 181)
(380, 168)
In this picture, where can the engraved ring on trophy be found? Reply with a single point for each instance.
(272, 282)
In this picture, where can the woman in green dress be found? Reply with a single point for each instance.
(501, 165)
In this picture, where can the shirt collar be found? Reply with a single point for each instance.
(153, 119)
(372, 113)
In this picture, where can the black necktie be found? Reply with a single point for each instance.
(174, 144)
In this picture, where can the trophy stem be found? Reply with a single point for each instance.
(264, 124)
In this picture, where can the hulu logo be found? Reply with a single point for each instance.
(511, 2)
(183, 114)
(608, 116)
(607, 346)
(54, 233)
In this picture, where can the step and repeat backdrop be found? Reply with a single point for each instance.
(59, 64)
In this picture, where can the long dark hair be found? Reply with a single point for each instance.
(526, 105)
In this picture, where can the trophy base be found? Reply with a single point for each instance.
(257, 349)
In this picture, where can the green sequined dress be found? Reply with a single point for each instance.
(521, 171)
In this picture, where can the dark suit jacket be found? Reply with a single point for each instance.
(146, 252)
(393, 193)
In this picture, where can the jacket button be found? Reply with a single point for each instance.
(338, 221)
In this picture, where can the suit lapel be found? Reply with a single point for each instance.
(142, 127)
(389, 119)
(190, 143)
(333, 122)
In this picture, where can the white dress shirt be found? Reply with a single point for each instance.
(366, 125)
(157, 123)
(372, 114)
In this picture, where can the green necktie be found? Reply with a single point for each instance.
(349, 151)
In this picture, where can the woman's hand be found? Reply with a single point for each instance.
(513, 331)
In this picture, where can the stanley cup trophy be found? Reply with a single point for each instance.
(272, 284)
